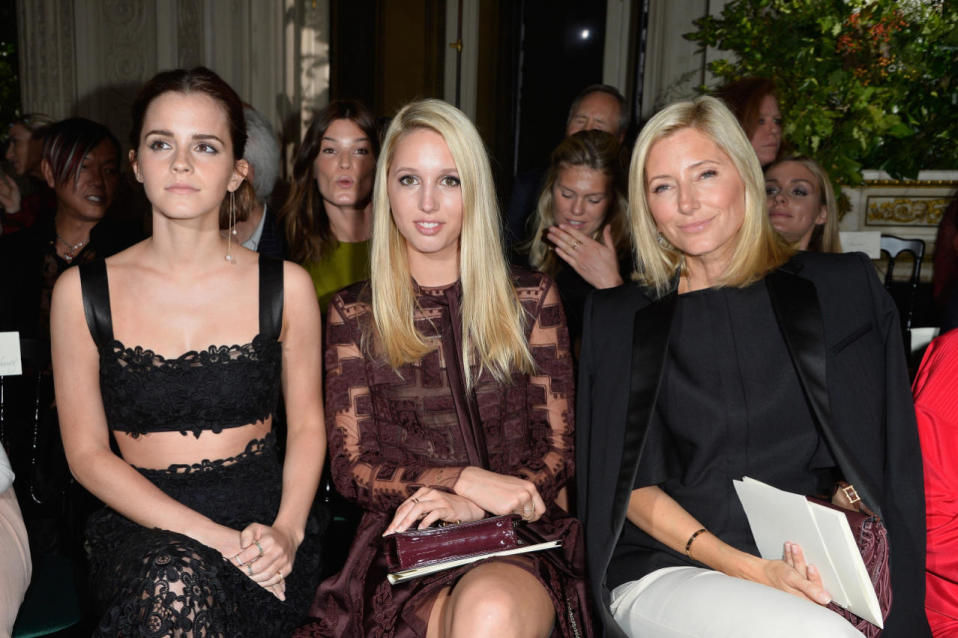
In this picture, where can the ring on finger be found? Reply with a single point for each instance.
(259, 547)
(280, 574)
(249, 570)
(415, 500)
(576, 244)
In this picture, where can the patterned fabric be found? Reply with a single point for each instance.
(154, 582)
(221, 387)
(394, 431)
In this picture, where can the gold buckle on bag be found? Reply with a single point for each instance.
(850, 494)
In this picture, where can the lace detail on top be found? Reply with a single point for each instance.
(220, 387)
(391, 432)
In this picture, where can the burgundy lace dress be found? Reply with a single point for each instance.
(392, 432)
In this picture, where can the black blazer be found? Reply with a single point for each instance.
(842, 332)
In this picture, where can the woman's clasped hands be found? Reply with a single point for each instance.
(476, 492)
(264, 553)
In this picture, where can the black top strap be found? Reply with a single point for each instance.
(270, 297)
(95, 290)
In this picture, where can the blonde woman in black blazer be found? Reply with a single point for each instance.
(733, 356)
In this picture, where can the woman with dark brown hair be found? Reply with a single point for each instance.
(328, 214)
(205, 532)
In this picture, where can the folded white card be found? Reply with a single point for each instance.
(10, 354)
(777, 517)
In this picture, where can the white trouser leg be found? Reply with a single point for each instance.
(682, 602)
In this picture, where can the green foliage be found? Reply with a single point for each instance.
(862, 83)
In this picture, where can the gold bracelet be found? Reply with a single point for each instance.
(688, 545)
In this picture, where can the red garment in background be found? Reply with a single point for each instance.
(936, 406)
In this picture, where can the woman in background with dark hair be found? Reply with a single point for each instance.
(204, 533)
(754, 102)
(328, 214)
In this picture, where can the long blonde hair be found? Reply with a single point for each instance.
(493, 320)
(825, 237)
(596, 150)
(758, 248)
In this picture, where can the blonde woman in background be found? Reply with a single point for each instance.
(581, 235)
(801, 205)
(449, 389)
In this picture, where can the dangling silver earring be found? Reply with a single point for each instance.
(659, 237)
(232, 230)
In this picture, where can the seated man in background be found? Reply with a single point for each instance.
(259, 231)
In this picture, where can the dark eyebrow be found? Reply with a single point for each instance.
(357, 140)
(196, 136)
(207, 136)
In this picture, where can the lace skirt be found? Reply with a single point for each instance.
(153, 582)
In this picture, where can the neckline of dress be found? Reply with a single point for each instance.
(189, 353)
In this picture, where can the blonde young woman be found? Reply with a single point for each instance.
(801, 205)
(581, 236)
(733, 356)
(449, 389)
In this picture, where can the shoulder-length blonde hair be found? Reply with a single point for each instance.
(493, 320)
(758, 248)
(825, 238)
(596, 150)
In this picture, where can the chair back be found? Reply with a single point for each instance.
(894, 246)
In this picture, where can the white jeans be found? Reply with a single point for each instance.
(681, 602)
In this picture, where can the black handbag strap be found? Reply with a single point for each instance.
(95, 290)
(270, 297)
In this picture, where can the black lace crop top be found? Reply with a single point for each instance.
(220, 387)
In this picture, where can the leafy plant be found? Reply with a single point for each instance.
(862, 83)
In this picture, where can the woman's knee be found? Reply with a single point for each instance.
(500, 600)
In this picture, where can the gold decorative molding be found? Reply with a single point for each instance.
(910, 211)
(911, 183)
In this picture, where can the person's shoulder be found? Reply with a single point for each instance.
(816, 265)
(627, 298)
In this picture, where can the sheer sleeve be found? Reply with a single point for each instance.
(361, 465)
(550, 395)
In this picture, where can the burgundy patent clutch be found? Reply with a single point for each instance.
(421, 547)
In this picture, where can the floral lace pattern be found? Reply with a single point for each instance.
(154, 582)
(213, 389)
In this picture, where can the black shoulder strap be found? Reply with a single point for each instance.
(270, 297)
(95, 290)
(795, 303)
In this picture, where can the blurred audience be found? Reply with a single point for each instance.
(598, 107)
(581, 235)
(327, 217)
(24, 194)
(754, 102)
(936, 407)
(260, 230)
(801, 205)
(80, 164)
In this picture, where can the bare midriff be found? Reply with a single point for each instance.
(159, 450)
